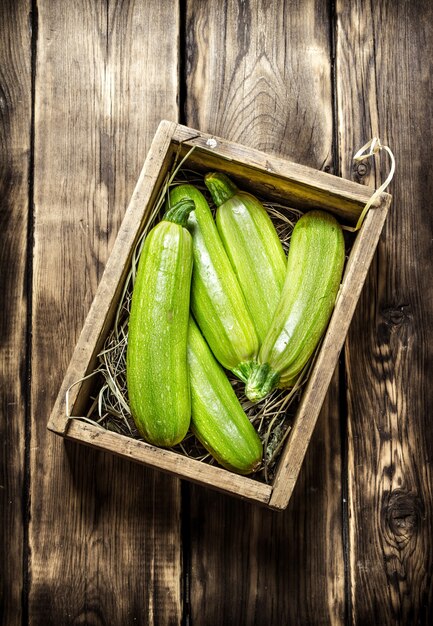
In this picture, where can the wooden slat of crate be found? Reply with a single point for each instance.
(281, 180)
(168, 461)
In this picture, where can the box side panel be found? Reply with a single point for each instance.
(315, 392)
(279, 180)
(169, 461)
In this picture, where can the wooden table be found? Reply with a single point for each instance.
(90, 539)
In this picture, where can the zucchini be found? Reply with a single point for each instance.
(156, 361)
(217, 419)
(314, 269)
(253, 247)
(217, 301)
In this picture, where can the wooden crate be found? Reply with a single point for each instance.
(279, 180)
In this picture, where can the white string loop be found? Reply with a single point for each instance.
(374, 146)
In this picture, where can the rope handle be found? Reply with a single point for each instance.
(374, 146)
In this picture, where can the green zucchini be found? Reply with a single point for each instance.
(217, 418)
(253, 247)
(314, 270)
(156, 362)
(217, 301)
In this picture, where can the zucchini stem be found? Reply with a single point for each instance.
(261, 381)
(244, 369)
(221, 187)
(178, 213)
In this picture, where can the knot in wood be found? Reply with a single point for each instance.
(401, 515)
(361, 169)
(397, 315)
(90, 617)
(4, 104)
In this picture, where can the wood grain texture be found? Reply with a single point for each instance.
(259, 74)
(15, 125)
(389, 354)
(247, 565)
(105, 546)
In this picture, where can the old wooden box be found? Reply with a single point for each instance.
(279, 180)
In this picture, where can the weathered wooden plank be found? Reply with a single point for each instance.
(244, 86)
(105, 546)
(388, 352)
(15, 125)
